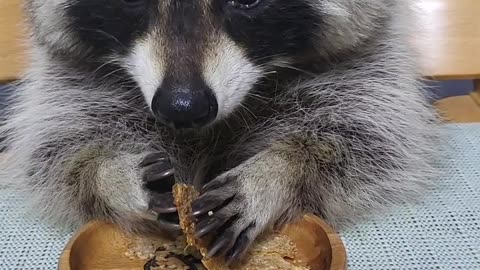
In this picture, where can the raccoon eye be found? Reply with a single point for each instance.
(243, 4)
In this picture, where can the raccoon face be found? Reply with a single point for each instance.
(200, 59)
(195, 61)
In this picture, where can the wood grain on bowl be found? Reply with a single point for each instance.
(103, 246)
(318, 243)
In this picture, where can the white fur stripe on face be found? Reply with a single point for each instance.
(334, 9)
(146, 65)
(230, 74)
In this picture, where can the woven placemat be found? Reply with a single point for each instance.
(441, 232)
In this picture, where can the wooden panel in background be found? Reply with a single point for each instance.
(11, 40)
(449, 38)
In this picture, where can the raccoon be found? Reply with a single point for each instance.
(272, 108)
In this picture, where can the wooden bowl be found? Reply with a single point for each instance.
(103, 246)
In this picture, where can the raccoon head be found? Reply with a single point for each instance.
(195, 61)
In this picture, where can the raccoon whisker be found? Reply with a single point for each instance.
(225, 120)
(99, 31)
(112, 72)
(258, 97)
(242, 105)
(103, 65)
(268, 57)
(270, 72)
(275, 91)
(242, 117)
(284, 65)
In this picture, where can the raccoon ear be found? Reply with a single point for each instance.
(244, 4)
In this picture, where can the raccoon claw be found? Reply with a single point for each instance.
(157, 172)
(171, 227)
(241, 246)
(220, 245)
(209, 225)
(163, 204)
(215, 195)
(215, 184)
(233, 240)
(156, 167)
(205, 204)
(153, 158)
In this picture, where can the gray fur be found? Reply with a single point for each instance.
(344, 143)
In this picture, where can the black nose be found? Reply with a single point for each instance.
(183, 107)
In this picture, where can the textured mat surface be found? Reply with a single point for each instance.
(24, 242)
(442, 232)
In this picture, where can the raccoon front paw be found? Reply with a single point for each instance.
(158, 178)
(221, 212)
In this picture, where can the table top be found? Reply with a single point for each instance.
(449, 43)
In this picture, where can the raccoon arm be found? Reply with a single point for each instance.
(109, 182)
(340, 175)
(94, 181)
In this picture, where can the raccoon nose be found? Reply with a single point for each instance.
(184, 108)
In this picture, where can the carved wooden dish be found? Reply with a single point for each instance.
(103, 246)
